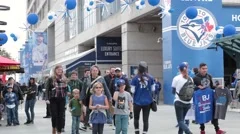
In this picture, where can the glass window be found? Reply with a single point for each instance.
(113, 8)
(72, 23)
(89, 17)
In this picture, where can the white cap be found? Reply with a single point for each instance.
(118, 69)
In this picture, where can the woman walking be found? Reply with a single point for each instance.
(30, 100)
(56, 92)
(142, 86)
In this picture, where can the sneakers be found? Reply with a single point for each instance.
(202, 132)
(221, 132)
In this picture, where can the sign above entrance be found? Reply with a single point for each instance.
(109, 49)
(197, 33)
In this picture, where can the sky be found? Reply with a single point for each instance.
(15, 18)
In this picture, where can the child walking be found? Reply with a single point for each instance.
(98, 103)
(123, 103)
(75, 109)
(11, 102)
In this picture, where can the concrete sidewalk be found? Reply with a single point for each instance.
(161, 122)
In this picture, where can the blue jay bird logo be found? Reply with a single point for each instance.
(197, 33)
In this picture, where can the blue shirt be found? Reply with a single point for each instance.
(10, 99)
(203, 102)
(143, 91)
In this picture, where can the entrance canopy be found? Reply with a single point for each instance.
(86, 58)
(231, 45)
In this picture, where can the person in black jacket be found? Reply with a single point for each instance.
(203, 80)
(30, 100)
(17, 90)
(108, 78)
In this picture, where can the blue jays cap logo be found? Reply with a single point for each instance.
(197, 33)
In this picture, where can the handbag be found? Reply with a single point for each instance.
(154, 106)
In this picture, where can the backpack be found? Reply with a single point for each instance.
(187, 90)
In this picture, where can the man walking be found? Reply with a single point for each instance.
(202, 81)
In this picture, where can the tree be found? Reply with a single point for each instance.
(4, 53)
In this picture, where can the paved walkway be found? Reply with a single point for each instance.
(161, 122)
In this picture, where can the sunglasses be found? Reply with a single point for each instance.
(98, 87)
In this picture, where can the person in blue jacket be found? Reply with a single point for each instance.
(142, 86)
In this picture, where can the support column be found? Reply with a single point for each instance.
(140, 43)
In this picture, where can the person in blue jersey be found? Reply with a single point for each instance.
(142, 86)
(181, 106)
(202, 81)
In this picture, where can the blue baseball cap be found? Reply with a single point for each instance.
(120, 82)
(182, 66)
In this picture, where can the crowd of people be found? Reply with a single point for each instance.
(95, 100)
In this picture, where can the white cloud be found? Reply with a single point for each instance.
(15, 18)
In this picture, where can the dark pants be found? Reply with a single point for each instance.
(48, 110)
(97, 128)
(157, 96)
(30, 105)
(215, 124)
(11, 117)
(181, 110)
(146, 111)
(57, 111)
(86, 118)
(64, 118)
(214, 121)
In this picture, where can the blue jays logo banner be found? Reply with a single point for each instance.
(197, 33)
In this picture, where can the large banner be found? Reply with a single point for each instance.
(38, 52)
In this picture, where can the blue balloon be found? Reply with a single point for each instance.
(32, 18)
(12, 35)
(153, 2)
(109, 1)
(50, 17)
(15, 38)
(142, 2)
(88, 9)
(171, 10)
(229, 30)
(70, 4)
(3, 38)
(192, 12)
(137, 7)
(91, 3)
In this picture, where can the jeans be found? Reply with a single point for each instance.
(97, 128)
(75, 124)
(146, 111)
(11, 116)
(181, 110)
(109, 117)
(121, 124)
(16, 112)
(57, 111)
(30, 105)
